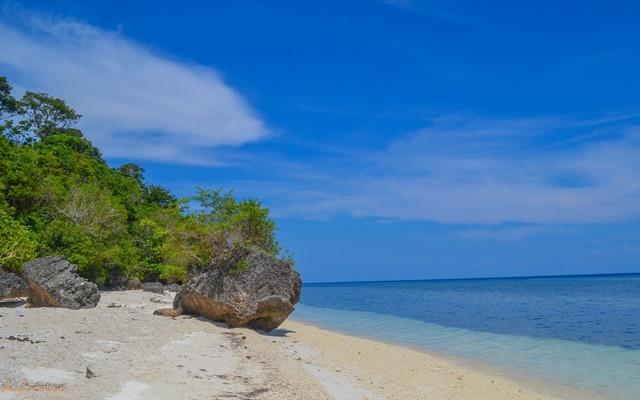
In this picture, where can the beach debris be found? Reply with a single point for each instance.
(260, 295)
(89, 373)
(256, 392)
(54, 283)
(12, 285)
(160, 300)
(22, 338)
(167, 312)
(114, 305)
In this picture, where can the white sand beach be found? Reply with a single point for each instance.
(121, 351)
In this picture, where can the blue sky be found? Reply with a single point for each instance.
(392, 139)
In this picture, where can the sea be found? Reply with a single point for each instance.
(579, 333)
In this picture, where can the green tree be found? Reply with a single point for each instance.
(43, 115)
(58, 196)
(244, 222)
(158, 196)
(133, 171)
(88, 225)
(8, 106)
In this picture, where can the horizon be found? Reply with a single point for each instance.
(485, 278)
(391, 140)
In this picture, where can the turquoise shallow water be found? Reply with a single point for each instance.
(576, 332)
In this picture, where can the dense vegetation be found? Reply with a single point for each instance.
(58, 196)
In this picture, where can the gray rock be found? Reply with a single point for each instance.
(153, 287)
(173, 287)
(54, 283)
(134, 284)
(12, 286)
(259, 294)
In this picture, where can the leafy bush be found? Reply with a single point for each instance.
(16, 243)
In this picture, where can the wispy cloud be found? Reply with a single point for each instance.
(435, 9)
(406, 4)
(136, 103)
(503, 234)
(470, 170)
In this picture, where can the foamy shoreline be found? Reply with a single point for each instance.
(136, 355)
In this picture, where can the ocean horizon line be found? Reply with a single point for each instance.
(478, 278)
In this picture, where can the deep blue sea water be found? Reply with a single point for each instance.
(581, 332)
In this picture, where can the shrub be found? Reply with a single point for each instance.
(16, 242)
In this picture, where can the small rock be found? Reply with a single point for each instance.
(173, 287)
(134, 284)
(89, 373)
(12, 286)
(153, 287)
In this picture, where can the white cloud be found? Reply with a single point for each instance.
(469, 170)
(135, 103)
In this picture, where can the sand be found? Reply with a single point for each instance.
(133, 355)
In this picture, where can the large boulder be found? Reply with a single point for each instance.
(54, 283)
(12, 286)
(258, 291)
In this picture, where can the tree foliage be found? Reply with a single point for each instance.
(16, 243)
(43, 115)
(58, 196)
(245, 222)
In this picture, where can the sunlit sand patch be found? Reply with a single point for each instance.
(6, 395)
(46, 377)
(131, 390)
(338, 386)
